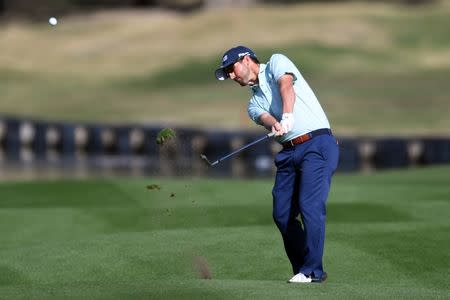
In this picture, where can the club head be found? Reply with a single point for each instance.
(203, 156)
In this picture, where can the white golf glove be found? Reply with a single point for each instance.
(287, 122)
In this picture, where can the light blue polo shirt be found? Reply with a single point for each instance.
(266, 97)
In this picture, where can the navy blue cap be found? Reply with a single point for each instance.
(230, 57)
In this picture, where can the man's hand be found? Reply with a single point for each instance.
(287, 122)
(277, 129)
(284, 126)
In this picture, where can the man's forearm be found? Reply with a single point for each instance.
(267, 120)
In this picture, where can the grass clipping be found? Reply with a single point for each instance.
(165, 135)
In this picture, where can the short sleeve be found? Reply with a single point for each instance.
(281, 65)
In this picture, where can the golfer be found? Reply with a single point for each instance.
(282, 101)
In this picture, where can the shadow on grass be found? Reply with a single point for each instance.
(9, 276)
(127, 218)
(364, 213)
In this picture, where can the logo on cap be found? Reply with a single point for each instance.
(231, 56)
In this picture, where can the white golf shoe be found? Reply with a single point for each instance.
(300, 278)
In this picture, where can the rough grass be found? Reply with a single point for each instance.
(387, 237)
(377, 68)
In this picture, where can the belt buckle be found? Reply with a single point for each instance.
(292, 143)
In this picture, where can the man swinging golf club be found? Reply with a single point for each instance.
(284, 104)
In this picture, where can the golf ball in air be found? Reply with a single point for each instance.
(52, 21)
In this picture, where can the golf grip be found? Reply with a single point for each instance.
(246, 146)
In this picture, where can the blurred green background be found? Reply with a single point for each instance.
(377, 68)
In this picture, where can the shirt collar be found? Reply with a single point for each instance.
(262, 68)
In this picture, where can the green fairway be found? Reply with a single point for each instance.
(387, 237)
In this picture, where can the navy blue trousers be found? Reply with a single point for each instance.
(302, 184)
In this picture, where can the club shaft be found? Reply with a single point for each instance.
(243, 148)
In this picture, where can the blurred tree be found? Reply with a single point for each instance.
(181, 5)
(37, 9)
(102, 3)
(145, 2)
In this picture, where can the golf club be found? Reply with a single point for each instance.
(236, 151)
